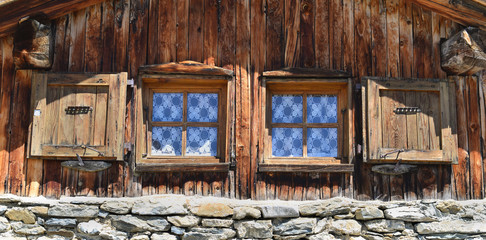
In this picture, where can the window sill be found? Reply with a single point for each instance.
(329, 168)
(186, 167)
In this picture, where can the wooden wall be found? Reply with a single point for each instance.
(364, 37)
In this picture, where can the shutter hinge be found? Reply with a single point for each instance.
(130, 82)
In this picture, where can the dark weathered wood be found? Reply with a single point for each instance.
(166, 43)
(474, 136)
(196, 10)
(182, 30)
(292, 38)
(406, 38)
(336, 33)
(51, 9)
(210, 38)
(338, 168)
(307, 18)
(466, 12)
(378, 36)
(275, 35)
(461, 170)
(393, 37)
(322, 33)
(19, 126)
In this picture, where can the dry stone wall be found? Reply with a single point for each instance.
(172, 217)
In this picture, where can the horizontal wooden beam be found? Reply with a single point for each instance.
(14, 11)
(331, 168)
(465, 12)
(186, 167)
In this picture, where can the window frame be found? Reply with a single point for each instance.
(306, 82)
(189, 77)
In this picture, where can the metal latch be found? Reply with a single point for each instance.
(407, 110)
(73, 110)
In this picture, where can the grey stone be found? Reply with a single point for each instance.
(117, 207)
(345, 227)
(331, 207)
(158, 224)
(322, 236)
(103, 214)
(451, 226)
(177, 230)
(71, 210)
(209, 233)
(184, 221)
(211, 222)
(91, 228)
(322, 225)
(294, 226)
(128, 223)
(163, 236)
(153, 207)
(53, 237)
(113, 235)
(9, 198)
(410, 214)
(368, 213)
(447, 236)
(293, 237)
(29, 229)
(40, 221)
(4, 224)
(140, 237)
(383, 225)
(20, 214)
(61, 222)
(3, 209)
(246, 212)
(254, 229)
(68, 233)
(279, 211)
(350, 215)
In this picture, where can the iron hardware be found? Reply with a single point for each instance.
(407, 110)
(73, 110)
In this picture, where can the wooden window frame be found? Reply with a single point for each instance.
(185, 77)
(374, 153)
(305, 82)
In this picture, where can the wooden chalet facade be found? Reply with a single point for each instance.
(342, 48)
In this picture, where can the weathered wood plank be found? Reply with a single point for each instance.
(121, 35)
(77, 41)
(307, 18)
(349, 49)
(93, 49)
(182, 30)
(166, 29)
(292, 39)
(379, 38)
(6, 91)
(474, 136)
(108, 36)
(196, 15)
(322, 34)
(461, 170)
(274, 35)
(363, 37)
(406, 38)
(210, 38)
(137, 44)
(153, 32)
(243, 107)
(393, 37)
(336, 33)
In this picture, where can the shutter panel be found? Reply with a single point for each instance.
(78, 114)
(409, 119)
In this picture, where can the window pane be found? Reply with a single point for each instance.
(167, 107)
(322, 142)
(202, 141)
(202, 107)
(287, 108)
(322, 109)
(287, 142)
(167, 141)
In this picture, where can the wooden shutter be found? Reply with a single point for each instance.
(78, 114)
(409, 119)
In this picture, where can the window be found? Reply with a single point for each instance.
(411, 120)
(306, 127)
(78, 114)
(182, 120)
